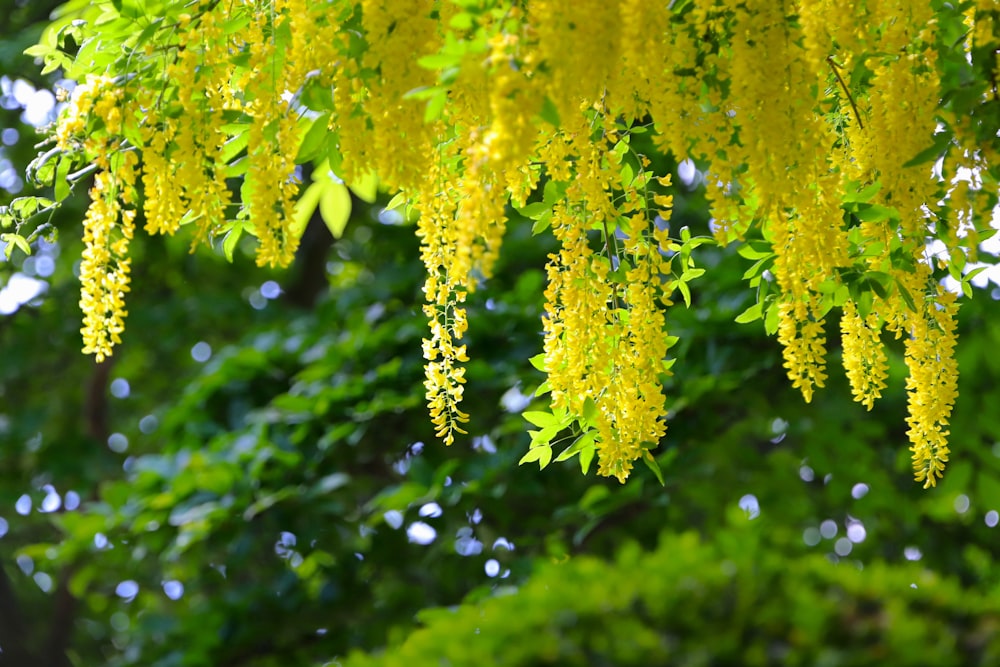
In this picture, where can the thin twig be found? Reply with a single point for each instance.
(836, 72)
(77, 175)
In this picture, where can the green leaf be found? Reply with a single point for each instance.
(461, 21)
(619, 151)
(940, 146)
(59, 183)
(685, 292)
(266, 502)
(541, 454)
(237, 168)
(586, 456)
(874, 249)
(56, 61)
(627, 175)
(907, 298)
(879, 278)
(755, 250)
(771, 319)
(585, 441)
(436, 61)
(147, 33)
(316, 97)
(366, 188)
(232, 238)
(865, 195)
(751, 314)
(974, 272)
(757, 270)
(865, 301)
(235, 24)
(651, 463)
(422, 93)
(335, 207)
(876, 213)
(691, 274)
(549, 112)
(878, 288)
(541, 224)
(331, 483)
(554, 191)
(958, 260)
(304, 209)
(539, 418)
(25, 207)
(535, 210)
(435, 105)
(39, 50)
(13, 240)
(314, 140)
(398, 200)
(538, 361)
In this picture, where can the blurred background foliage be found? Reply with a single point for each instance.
(252, 479)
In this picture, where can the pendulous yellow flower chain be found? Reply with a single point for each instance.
(805, 116)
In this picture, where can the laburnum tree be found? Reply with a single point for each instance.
(853, 150)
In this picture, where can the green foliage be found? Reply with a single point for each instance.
(279, 483)
(305, 426)
(734, 600)
(304, 423)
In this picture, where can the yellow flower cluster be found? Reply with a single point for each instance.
(443, 307)
(605, 331)
(932, 385)
(269, 188)
(864, 357)
(797, 160)
(104, 269)
(110, 220)
(183, 121)
(806, 115)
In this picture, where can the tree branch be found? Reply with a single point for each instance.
(12, 632)
(843, 84)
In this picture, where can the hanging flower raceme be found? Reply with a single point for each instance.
(814, 127)
(109, 225)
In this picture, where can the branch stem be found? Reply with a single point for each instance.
(843, 84)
